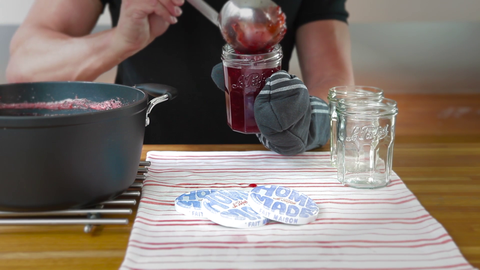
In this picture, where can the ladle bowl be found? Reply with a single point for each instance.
(252, 26)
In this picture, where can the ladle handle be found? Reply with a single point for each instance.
(206, 10)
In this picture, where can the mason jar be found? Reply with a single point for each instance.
(366, 135)
(245, 76)
(350, 92)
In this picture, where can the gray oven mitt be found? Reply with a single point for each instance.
(290, 120)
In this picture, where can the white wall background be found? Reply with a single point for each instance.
(399, 45)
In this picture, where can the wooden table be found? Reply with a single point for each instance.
(437, 154)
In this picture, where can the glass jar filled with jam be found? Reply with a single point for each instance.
(245, 76)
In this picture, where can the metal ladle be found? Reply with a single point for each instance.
(249, 26)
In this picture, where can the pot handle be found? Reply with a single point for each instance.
(161, 92)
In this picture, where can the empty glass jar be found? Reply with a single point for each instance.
(346, 93)
(366, 134)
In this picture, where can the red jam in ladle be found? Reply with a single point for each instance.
(252, 26)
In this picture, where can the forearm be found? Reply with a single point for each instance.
(52, 56)
(324, 54)
(320, 87)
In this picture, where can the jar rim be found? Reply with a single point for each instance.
(354, 90)
(367, 107)
(229, 56)
(359, 101)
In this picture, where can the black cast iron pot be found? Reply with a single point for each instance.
(73, 158)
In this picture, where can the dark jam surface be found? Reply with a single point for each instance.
(243, 86)
(24, 108)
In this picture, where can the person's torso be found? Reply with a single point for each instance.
(183, 57)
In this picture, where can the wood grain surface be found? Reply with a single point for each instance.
(437, 155)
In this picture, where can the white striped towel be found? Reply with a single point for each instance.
(384, 228)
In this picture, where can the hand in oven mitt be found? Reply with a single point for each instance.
(289, 119)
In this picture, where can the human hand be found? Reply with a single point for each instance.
(141, 21)
(289, 119)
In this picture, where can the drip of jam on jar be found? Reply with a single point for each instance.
(242, 87)
(255, 38)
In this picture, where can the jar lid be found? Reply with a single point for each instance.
(189, 203)
(283, 204)
(230, 208)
